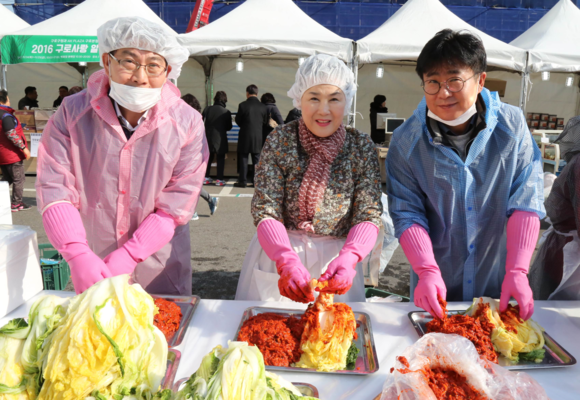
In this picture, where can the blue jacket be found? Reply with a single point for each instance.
(465, 205)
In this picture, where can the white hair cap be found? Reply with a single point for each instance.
(322, 69)
(140, 33)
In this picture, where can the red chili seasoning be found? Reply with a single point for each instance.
(168, 317)
(468, 327)
(447, 384)
(277, 337)
(511, 318)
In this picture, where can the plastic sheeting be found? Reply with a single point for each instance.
(20, 276)
(553, 40)
(47, 78)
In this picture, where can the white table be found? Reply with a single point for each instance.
(215, 322)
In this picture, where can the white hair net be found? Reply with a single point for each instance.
(140, 33)
(322, 69)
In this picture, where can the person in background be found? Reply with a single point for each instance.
(378, 106)
(62, 93)
(293, 115)
(251, 117)
(465, 183)
(28, 102)
(75, 90)
(13, 151)
(121, 165)
(555, 273)
(274, 116)
(317, 203)
(212, 202)
(218, 121)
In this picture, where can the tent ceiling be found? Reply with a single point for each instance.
(403, 36)
(554, 41)
(10, 22)
(266, 27)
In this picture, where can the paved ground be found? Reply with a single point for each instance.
(219, 243)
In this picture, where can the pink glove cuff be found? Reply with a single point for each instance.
(360, 241)
(64, 228)
(154, 232)
(522, 235)
(418, 248)
(274, 239)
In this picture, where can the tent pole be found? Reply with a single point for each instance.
(524, 85)
(4, 83)
(354, 66)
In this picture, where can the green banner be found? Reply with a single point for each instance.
(18, 49)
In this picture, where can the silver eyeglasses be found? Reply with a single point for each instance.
(152, 69)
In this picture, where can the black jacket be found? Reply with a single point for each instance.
(218, 121)
(273, 113)
(294, 115)
(378, 135)
(251, 117)
(57, 102)
(25, 101)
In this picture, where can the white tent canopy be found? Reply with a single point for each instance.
(554, 41)
(10, 22)
(85, 18)
(266, 27)
(403, 36)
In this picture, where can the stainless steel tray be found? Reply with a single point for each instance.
(305, 388)
(367, 361)
(188, 305)
(556, 355)
(173, 358)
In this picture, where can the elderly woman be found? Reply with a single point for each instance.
(317, 201)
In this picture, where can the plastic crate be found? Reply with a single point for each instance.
(55, 277)
(373, 292)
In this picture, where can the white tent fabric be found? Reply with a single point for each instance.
(403, 36)
(10, 22)
(85, 18)
(265, 27)
(554, 41)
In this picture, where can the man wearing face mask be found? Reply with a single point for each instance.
(121, 165)
(465, 183)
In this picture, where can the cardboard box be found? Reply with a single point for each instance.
(535, 123)
(496, 85)
(544, 117)
(530, 116)
(529, 123)
(536, 116)
(560, 121)
(560, 127)
(41, 117)
(543, 124)
(551, 125)
(552, 118)
(20, 274)
(26, 118)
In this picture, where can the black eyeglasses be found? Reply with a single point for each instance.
(454, 85)
(152, 69)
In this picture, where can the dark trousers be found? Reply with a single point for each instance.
(221, 163)
(243, 166)
(14, 175)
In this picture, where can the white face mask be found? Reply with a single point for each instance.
(133, 98)
(458, 121)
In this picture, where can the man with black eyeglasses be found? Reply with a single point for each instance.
(465, 183)
(121, 165)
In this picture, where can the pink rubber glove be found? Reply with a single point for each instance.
(64, 228)
(418, 248)
(294, 281)
(341, 271)
(522, 234)
(154, 232)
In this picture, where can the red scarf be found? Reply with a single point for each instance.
(322, 152)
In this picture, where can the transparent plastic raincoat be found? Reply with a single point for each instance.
(465, 205)
(85, 158)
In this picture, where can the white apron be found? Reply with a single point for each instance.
(569, 287)
(259, 277)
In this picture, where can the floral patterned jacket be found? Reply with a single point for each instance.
(353, 194)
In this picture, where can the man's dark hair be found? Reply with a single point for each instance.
(29, 89)
(252, 89)
(268, 98)
(220, 97)
(192, 101)
(3, 96)
(63, 87)
(452, 48)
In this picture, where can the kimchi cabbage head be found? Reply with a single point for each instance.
(105, 346)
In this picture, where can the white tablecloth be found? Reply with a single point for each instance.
(215, 322)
